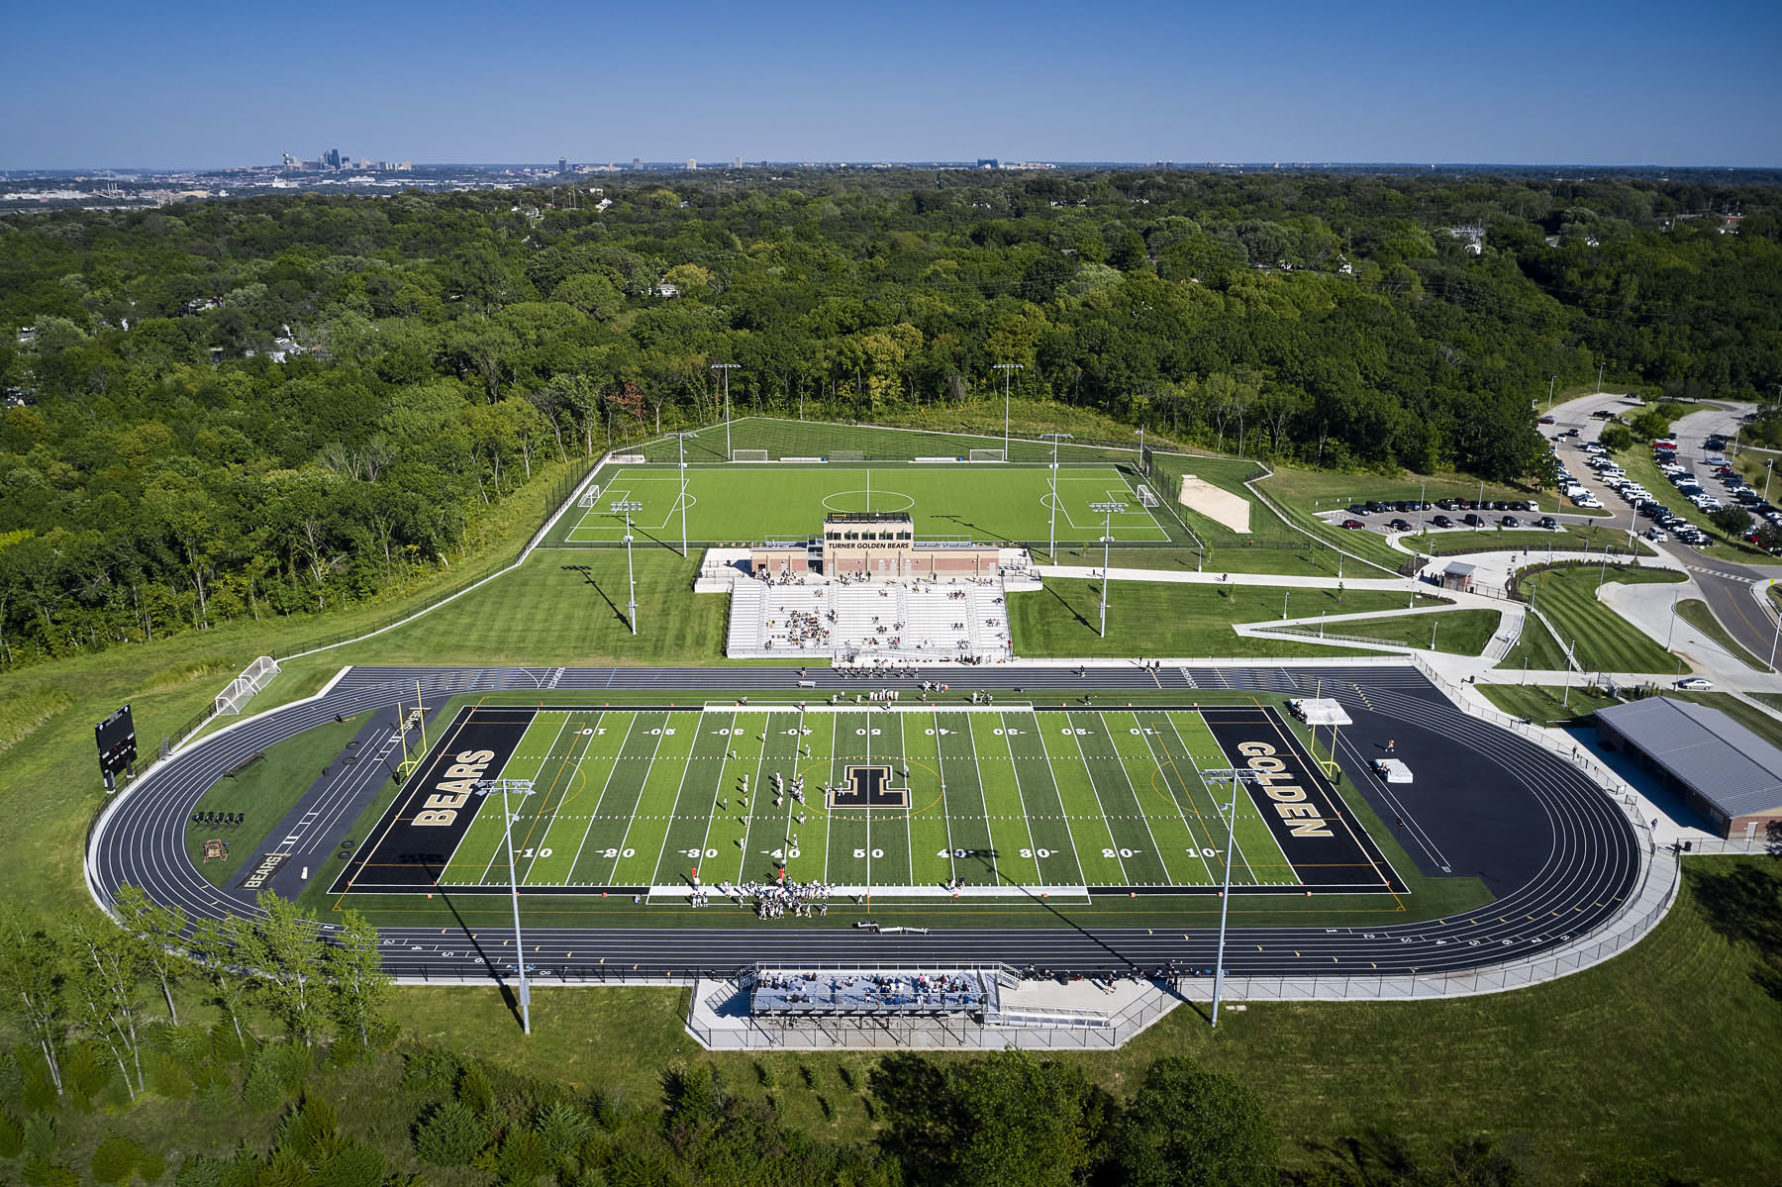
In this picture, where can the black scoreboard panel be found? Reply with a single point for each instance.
(117, 742)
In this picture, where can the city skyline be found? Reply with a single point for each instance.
(1584, 84)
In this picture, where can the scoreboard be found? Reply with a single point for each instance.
(116, 736)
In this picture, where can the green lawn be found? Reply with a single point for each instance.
(1161, 618)
(1695, 612)
(1459, 632)
(1569, 538)
(1534, 648)
(1545, 704)
(1688, 1033)
(954, 433)
(263, 792)
(1604, 640)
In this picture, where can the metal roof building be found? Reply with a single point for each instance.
(1724, 771)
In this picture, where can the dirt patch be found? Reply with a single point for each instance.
(1215, 502)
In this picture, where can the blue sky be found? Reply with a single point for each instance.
(207, 84)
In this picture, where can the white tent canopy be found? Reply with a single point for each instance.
(1317, 711)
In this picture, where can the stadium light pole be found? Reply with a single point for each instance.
(682, 442)
(1237, 777)
(1006, 368)
(1052, 530)
(628, 506)
(726, 368)
(1107, 537)
(524, 787)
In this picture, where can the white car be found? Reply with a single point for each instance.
(1656, 535)
(1695, 684)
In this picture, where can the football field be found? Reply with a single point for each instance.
(908, 800)
(748, 503)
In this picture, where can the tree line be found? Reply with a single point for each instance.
(160, 471)
(341, 1098)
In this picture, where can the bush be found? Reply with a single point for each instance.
(201, 1172)
(12, 1137)
(354, 1166)
(41, 1172)
(115, 1159)
(451, 1135)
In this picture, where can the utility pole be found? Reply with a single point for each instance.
(1550, 383)
(1006, 369)
(1599, 378)
(628, 506)
(1052, 531)
(682, 443)
(726, 368)
(1107, 537)
(1236, 776)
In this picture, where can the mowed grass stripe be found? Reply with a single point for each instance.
(1140, 855)
(1256, 844)
(1197, 805)
(1054, 842)
(735, 750)
(604, 842)
(771, 826)
(1011, 840)
(554, 784)
(476, 850)
(732, 827)
(678, 762)
(1179, 847)
(930, 834)
(1090, 830)
(967, 817)
(847, 826)
(570, 825)
(888, 829)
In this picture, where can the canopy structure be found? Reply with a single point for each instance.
(1320, 711)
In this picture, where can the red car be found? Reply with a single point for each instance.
(1547, 420)
(1353, 524)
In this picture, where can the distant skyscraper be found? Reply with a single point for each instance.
(736, 162)
(692, 164)
(637, 162)
(563, 164)
(332, 158)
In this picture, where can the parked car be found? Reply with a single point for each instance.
(1548, 522)
(1353, 524)
(1695, 684)
(1510, 521)
(1442, 521)
(1473, 521)
(1401, 525)
(1547, 420)
(1374, 506)
(1657, 535)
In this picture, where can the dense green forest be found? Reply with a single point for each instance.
(281, 404)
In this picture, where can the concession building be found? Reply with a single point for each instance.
(1723, 771)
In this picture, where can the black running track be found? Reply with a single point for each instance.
(1555, 849)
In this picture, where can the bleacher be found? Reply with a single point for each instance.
(908, 622)
(838, 993)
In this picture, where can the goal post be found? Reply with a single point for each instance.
(988, 455)
(241, 689)
(1146, 497)
(749, 455)
(590, 497)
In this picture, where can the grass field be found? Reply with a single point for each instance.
(1155, 618)
(1604, 641)
(991, 800)
(980, 428)
(1569, 538)
(1545, 704)
(1458, 632)
(1695, 612)
(742, 504)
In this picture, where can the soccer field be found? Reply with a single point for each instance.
(920, 801)
(751, 503)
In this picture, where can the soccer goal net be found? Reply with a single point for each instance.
(590, 497)
(987, 455)
(748, 455)
(244, 686)
(847, 455)
(1146, 498)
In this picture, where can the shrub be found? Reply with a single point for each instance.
(41, 1172)
(115, 1159)
(12, 1136)
(353, 1166)
(451, 1135)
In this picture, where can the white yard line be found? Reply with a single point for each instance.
(594, 813)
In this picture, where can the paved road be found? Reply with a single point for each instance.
(1556, 850)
